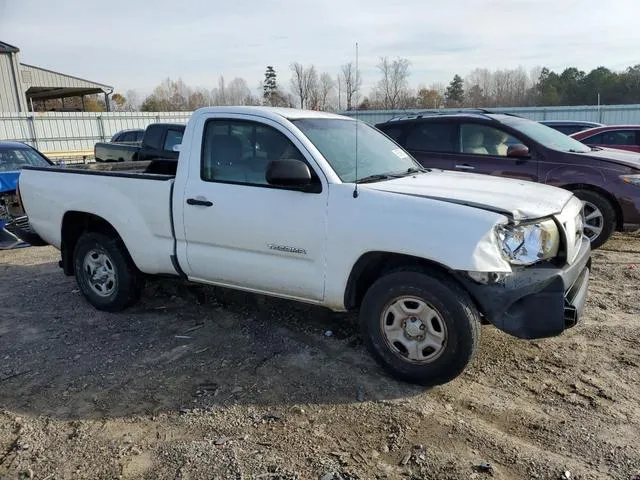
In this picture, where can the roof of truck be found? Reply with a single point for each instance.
(272, 112)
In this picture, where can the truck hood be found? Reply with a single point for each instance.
(612, 155)
(518, 199)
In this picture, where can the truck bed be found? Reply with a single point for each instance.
(136, 204)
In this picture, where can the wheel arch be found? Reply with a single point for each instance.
(372, 265)
(74, 224)
(601, 191)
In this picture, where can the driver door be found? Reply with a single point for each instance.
(241, 231)
(483, 149)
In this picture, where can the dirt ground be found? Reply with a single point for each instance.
(198, 382)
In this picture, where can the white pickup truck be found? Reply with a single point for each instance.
(271, 201)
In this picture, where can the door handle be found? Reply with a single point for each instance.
(465, 167)
(202, 203)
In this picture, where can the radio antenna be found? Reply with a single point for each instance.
(355, 191)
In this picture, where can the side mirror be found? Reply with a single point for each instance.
(518, 151)
(288, 173)
(176, 147)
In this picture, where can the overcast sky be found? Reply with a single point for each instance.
(134, 44)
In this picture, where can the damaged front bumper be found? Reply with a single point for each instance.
(536, 302)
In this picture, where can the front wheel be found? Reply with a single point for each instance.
(599, 217)
(105, 273)
(420, 326)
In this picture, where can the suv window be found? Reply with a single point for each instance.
(235, 151)
(394, 132)
(432, 137)
(173, 138)
(615, 137)
(484, 140)
(128, 137)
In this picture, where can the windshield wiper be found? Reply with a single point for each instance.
(417, 170)
(378, 176)
(573, 150)
(595, 149)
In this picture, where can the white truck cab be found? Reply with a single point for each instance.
(326, 209)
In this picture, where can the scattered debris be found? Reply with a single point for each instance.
(183, 411)
(297, 410)
(182, 336)
(272, 416)
(405, 459)
(484, 468)
(196, 327)
(566, 475)
(328, 333)
(221, 440)
(360, 395)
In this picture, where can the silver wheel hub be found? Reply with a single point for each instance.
(413, 329)
(100, 272)
(593, 220)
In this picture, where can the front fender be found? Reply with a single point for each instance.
(457, 237)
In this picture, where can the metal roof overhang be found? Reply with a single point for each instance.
(46, 93)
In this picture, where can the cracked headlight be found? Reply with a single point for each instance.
(528, 243)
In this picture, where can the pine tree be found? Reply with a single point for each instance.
(455, 91)
(270, 86)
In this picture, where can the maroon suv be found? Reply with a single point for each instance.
(606, 180)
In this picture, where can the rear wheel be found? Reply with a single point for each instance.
(599, 217)
(105, 273)
(420, 326)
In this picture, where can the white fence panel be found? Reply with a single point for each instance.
(79, 131)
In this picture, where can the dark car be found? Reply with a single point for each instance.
(623, 137)
(132, 135)
(607, 181)
(570, 126)
(14, 226)
(157, 143)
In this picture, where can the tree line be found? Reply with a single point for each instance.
(306, 87)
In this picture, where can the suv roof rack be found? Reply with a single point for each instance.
(425, 113)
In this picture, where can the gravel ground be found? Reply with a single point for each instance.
(198, 382)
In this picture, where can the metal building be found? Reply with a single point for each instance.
(22, 84)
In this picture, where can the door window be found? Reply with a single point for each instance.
(174, 137)
(236, 151)
(615, 137)
(432, 137)
(485, 140)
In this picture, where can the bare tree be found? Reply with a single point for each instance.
(325, 87)
(393, 88)
(304, 83)
(133, 101)
(351, 81)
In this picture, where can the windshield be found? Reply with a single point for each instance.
(547, 136)
(336, 140)
(14, 159)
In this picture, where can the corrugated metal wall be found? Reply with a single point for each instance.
(68, 131)
(10, 98)
(65, 131)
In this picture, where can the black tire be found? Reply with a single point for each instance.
(456, 310)
(129, 282)
(605, 207)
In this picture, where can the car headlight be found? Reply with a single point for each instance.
(528, 243)
(632, 179)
